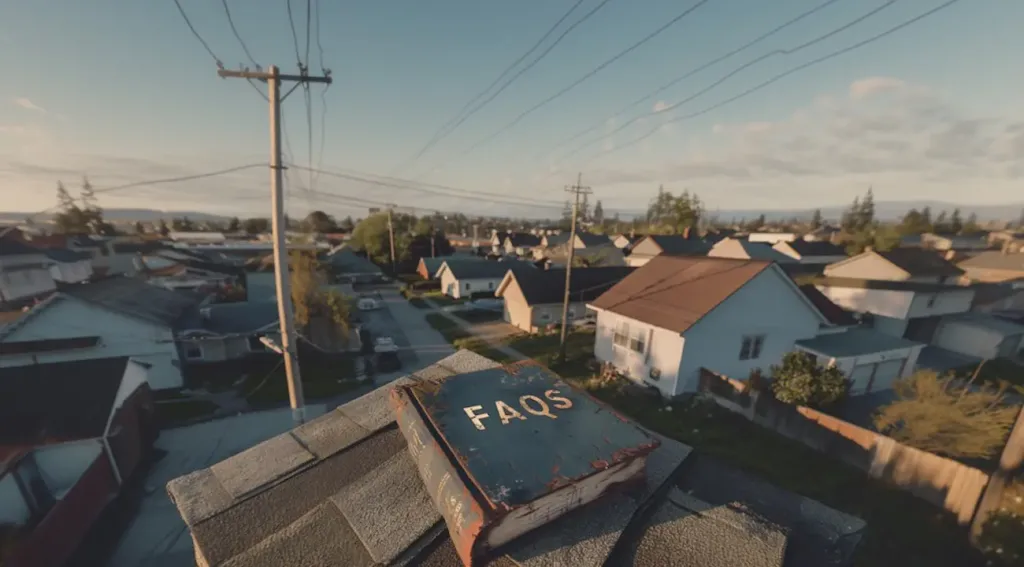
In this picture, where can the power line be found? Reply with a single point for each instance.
(309, 14)
(149, 182)
(234, 30)
(295, 36)
(202, 41)
(518, 74)
(696, 70)
(443, 130)
(735, 72)
(590, 74)
(784, 74)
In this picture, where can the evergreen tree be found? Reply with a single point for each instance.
(851, 216)
(971, 225)
(234, 225)
(64, 198)
(926, 219)
(866, 211)
(139, 229)
(941, 224)
(956, 224)
(163, 229)
(816, 220)
(598, 213)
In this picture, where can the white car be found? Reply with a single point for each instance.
(368, 304)
(384, 344)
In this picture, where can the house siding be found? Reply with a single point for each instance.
(714, 342)
(885, 302)
(868, 266)
(62, 465)
(663, 351)
(946, 303)
(121, 335)
(847, 365)
(972, 340)
(24, 276)
(457, 288)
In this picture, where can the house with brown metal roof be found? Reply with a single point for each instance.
(899, 264)
(677, 314)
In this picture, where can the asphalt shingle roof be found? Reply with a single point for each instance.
(674, 292)
(136, 298)
(855, 342)
(487, 269)
(586, 284)
(59, 401)
(342, 490)
(11, 247)
(432, 265)
(920, 262)
(816, 248)
(346, 261)
(240, 317)
(524, 239)
(677, 244)
(996, 260)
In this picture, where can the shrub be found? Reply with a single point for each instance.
(800, 380)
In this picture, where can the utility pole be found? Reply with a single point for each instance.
(576, 190)
(286, 315)
(391, 237)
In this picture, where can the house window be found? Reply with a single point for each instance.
(490, 285)
(193, 352)
(544, 316)
(621, 336)
(750, 349)
(467, 286)
(633, 339)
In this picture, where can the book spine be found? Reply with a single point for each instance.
(453, 499)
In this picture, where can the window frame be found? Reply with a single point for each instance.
(188, 351)
(751, 346)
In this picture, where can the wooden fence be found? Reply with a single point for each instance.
(944, 482)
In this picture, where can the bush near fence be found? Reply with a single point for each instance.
(943, 482)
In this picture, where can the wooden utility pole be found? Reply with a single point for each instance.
(285, 312)
(391, 237)
(576, 190)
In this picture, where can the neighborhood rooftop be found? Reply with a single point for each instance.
(343, 490)
(674, 292)
(920, 262)
(586, 284)
(679, 244)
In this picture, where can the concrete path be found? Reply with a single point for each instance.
(486, 331)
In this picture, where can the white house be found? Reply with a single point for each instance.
(68, 266)
(905, 309)
(463, 279)
(198, 237)
(626, 240)
(672, 244)
(981, 335)
(816, 252)
(521, 244)
(748, 250)
(664, 322)
(899, 264)
(771, 238)
(24, 273)
(101, 319)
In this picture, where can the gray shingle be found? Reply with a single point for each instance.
(330, 433)
(371, 410)
(198, 496)
(260, 465)
(369, 504)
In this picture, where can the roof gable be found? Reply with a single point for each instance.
(674, 292)
(815, 248)
(919, 262)
(679, 244)
(31, 413)
(540, 287)
(484, 270)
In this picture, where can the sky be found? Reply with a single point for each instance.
(122, 92)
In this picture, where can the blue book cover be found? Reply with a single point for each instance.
(507, 450)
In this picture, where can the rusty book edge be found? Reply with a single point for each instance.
(480, 520)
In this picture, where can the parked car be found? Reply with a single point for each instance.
(368, 304)
(384, 344)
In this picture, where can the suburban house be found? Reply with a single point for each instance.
(1011, 241)
(998, 297)
(228, 331)
(68, 266)
(583, 240)
(994, 266)
(908, 309)
(111, 317)
(899, 264)
(955, 242)
(498, 240)
(466, 279)
(670, 244)
(666, 321)
(811, 252)
(748, 250)
(822, 234)
(24, 273)
(71, 434)
(521, 244)
(595, 256)
(429, 268)
(343, 262)
(534, 298)
(626, 240)
(771, 238)
(981, 336)
(870, 360)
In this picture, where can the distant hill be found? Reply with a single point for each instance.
(886, 210)
(125, 215)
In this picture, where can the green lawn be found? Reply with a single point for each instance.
(478, 316)
(450, 330)
(903, 530)
(441, 299)
(171, 413)
(482, 348)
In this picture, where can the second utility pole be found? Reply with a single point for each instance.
(577, 190)
(285, 313)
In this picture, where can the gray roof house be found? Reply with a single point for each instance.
(749, 250)
(342, 490)
(671, 244)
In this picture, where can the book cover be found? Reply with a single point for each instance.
(506, 450)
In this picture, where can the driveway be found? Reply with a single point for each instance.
(158, 537)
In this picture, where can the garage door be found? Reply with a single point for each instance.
(874, 377)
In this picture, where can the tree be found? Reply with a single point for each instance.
(139, 229)
(183, 224)
(371, 236)
(255, 225)
(971, 226)
(163, 229)
(940, 415)
(956, 224)
(816, 220)
(850, 216)
(866, 212)
(311, 300)
(914, 222)
(800, 380)
(71, 219)
(346, 225)
(598, 213)
(234, 225)
(319, 221)
(941, 223)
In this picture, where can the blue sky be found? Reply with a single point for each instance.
(122, 92)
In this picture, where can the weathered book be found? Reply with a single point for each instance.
(507, 450)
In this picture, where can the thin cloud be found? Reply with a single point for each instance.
(660, 106)
(873, 85)
(27, 104)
